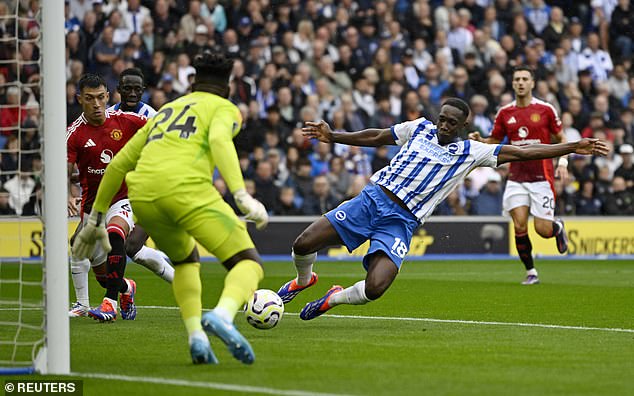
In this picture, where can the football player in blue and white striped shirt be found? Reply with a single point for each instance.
(131, 86)
(429, 165)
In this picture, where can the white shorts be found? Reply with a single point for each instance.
(122, 209)
(538, 196)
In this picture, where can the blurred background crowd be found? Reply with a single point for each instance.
(356, 64)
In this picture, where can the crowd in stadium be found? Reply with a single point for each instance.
(356, 64)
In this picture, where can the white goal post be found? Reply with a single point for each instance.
(57, 344)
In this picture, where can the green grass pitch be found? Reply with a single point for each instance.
(443, 328)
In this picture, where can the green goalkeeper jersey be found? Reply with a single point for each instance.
(177, 151)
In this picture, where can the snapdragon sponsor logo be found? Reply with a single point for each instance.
(94, 171)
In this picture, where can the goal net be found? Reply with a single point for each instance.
(32, 251)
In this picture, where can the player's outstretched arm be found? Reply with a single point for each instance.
(224, 154)
(510, 153)
(367, 137)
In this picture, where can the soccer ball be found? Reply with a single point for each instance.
(264, 310)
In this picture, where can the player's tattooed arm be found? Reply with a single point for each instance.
(367, 137)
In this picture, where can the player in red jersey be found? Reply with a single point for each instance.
(530, 185)
(131, 86)
(92, 141)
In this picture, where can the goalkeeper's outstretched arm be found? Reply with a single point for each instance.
(225, 122)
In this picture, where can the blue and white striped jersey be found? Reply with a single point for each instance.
(423, 172)
(142, 108)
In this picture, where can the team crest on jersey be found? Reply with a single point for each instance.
(522, 132)
(535, 117)
(116, 134)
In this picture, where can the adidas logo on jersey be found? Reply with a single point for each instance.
(511, 120)
(90, 143)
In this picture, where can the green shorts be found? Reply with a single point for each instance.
(175, 223)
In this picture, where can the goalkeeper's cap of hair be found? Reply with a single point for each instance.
(213, 67)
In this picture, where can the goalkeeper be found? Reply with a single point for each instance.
(169, 163)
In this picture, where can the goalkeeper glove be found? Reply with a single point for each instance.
(252, 208)
(92, 232)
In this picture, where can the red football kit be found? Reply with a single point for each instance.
(93, 147)
(523, 126)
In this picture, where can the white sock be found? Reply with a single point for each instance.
(304, 267)
(79, 273)
(531, 271)
(154, 260)
(224, 314)
(354, 295)
(200, 335)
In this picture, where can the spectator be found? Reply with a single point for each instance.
(104, 52)
(266, 190)
(164, 20)
(338, 177)
(5, 208)
(215, 12)
(453, 205)
(278, 167)
(594, 59)
(363, 96)
(286, 203)
(192, 19)
(621, 32)
(626, 170)
(459, 37)
(321, 199)
(380, 159)
(200, 43)
(481, 121)
(489, 201)
(620, 201)
(477, 77)
(12, 112)
(563, 72)
(135, 15)
(603, 183)
(587, 204)
(302, 179)
(76, 47)
(572, 134)
(555, 30)
(618, 82)
(320, 159)
(20, 187)
(10, 158)
(537, 13)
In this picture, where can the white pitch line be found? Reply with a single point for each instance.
(477, 322)
(407, 319)
(201, 384)
(457, 321)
